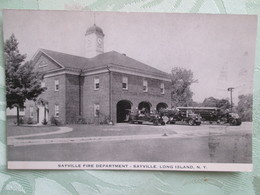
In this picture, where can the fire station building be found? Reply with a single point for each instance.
(99, 85)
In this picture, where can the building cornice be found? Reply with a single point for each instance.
(106, 69)
(60, 72)
(139, 72)
(113, 68)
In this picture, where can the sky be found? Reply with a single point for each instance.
(219, 49)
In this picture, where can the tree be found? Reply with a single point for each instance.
(210, 102)
(22, 81)
(223, 104)
(181, 82)
(214, 102)
(245, 107)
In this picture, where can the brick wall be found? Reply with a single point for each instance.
(69, 102)
(92, 96)
(73, 84)
(56, 97)
(52, 97)
(135, 92)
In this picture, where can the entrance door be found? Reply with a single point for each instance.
(123, 111)
(43, 114)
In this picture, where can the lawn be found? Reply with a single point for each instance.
(14, 130)
(107, 130)
(203, 143)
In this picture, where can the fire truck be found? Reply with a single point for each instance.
(171, 116)
(144, 116)
(214, 115)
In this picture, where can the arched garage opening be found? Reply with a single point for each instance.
(145, 105)
(123, 109)
(161, 106)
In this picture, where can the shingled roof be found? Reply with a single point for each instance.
(67, 60)
(112, 58)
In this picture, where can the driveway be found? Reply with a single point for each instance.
(170, 143)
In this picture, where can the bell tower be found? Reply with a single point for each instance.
(94, 41)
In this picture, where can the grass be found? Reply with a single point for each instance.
(14, 130)
(108, 130)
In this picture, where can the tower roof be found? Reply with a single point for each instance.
(94, 29)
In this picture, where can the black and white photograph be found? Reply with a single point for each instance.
(129, 91)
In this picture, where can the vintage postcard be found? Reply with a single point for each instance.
(129, 91)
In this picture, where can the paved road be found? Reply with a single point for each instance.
(170, 143)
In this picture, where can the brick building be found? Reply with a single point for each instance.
(98, 86)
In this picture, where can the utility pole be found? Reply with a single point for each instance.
(231, 101)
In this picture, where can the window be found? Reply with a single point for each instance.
(31, 111)
(43, 84)
(145, 85)
(96, 110)
(56, 85)
(21, 109)
(57, 110)
(96, 84)
(162, 88)
(125, 82)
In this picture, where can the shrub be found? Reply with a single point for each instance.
(55, 121)
(30, 121)
(81, 120)
(44, 122)
(103, 119)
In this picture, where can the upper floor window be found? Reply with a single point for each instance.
(96, 83)
(96, 110)
(31, 111)
(57, 83)
(145, 86)
(162, 88)
(43, 84)
(57, 110)
(125, 82)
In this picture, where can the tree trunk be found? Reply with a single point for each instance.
(18, 117)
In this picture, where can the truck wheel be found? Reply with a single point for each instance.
(163, 123)
(191, 122)
(233, 122)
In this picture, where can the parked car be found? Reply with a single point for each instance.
(232, 119)
(144, 116)
(175, 115)
(214, 115)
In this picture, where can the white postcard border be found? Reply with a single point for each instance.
(156, 166)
